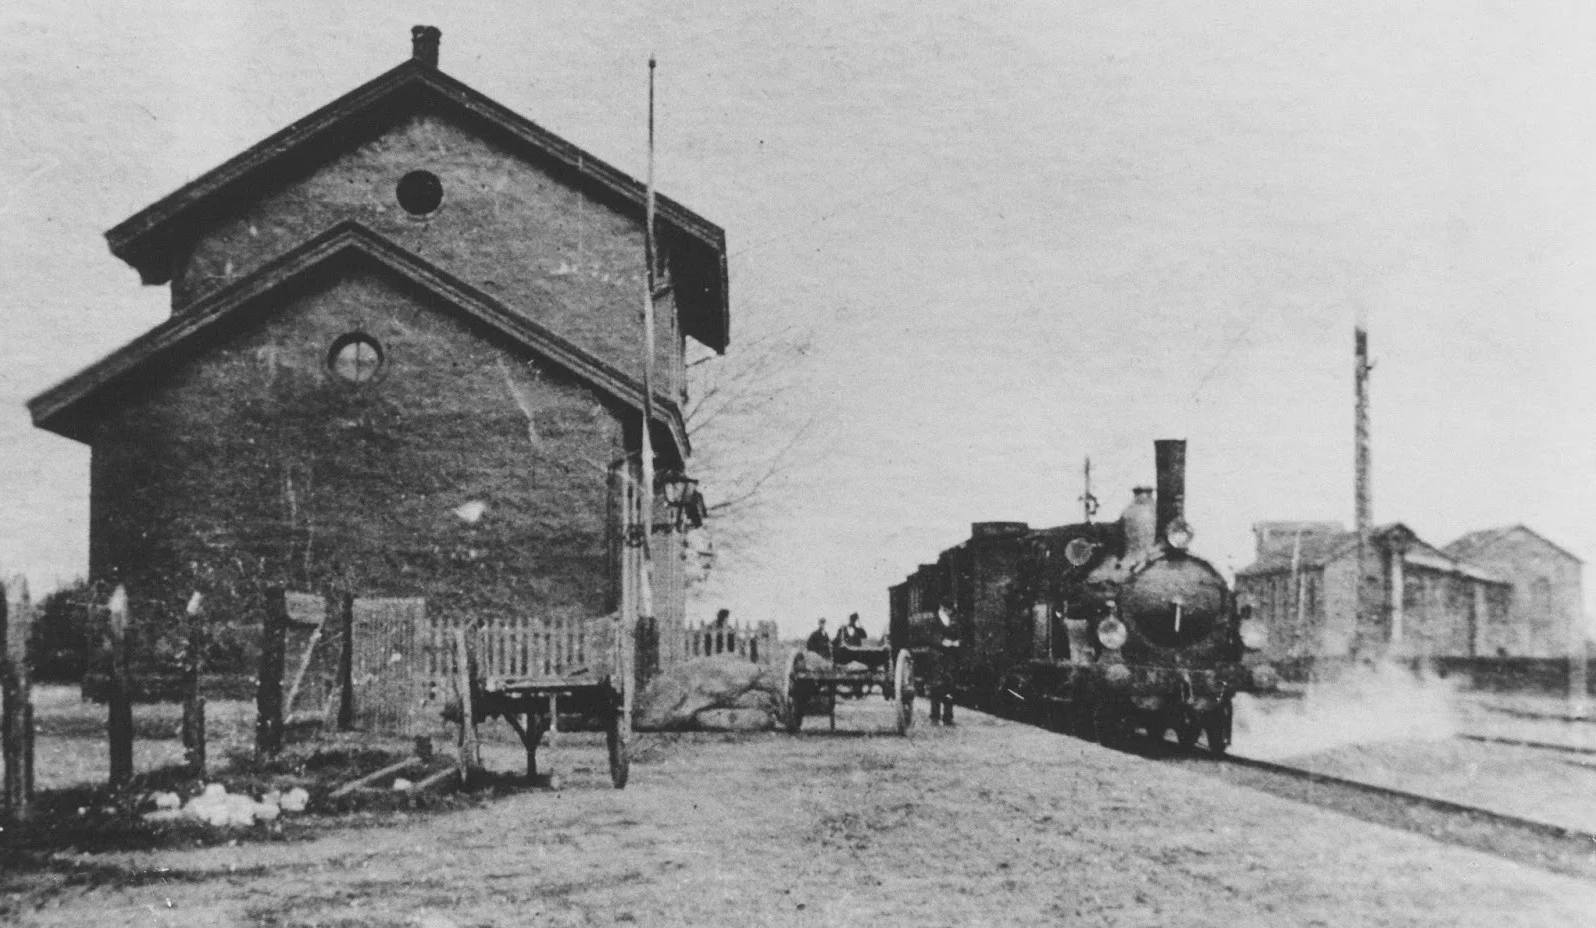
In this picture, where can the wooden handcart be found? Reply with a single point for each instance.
(814, 682)
(536, 705)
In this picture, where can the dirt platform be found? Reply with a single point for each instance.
(990, 823)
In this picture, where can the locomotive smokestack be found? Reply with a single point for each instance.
(1170, 454)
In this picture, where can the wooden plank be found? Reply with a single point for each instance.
(435, 779)
(374, 776)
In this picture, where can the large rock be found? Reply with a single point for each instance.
(678, 699)
(735, 720)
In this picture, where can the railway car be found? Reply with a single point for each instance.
(1096, 628)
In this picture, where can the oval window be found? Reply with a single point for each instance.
(420, 193)
(355, 358)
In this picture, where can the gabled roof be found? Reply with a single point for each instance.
(1318, 550)
(696, 246)
(1475, 543)
(59, 409)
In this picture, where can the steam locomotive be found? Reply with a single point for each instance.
(1098, 628)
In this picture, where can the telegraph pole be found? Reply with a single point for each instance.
(1364, 507)
(645, 492)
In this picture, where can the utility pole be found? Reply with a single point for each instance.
(1366, 613)
(645, 492)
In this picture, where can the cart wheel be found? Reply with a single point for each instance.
(903, 685)
(619, 738)
(793, 694)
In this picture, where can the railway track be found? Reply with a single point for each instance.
(1542, 845)
(1538, 844)
(1539, 745)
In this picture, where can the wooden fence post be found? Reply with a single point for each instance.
(346, 663)
(193, 698)
(16, 724)
(269, 692)
(23, 671)
(470, 750)
(119, 692)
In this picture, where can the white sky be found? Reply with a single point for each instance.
(1017, 233)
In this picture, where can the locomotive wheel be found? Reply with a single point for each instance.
(1156, 727)
(903, 685)
(1187, 732)
(1109, 724)
(1083, 720)
(619, 737)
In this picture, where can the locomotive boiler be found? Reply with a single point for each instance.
(1096, 628)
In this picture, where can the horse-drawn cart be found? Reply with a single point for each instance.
(814, 683)
(536, 704)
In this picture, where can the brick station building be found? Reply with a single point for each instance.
(403, 362)
(1498, 593)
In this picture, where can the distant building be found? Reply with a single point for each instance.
(1430, 603)
(1547, 613)
(403, 363)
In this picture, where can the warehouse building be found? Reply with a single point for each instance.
(1425, 601)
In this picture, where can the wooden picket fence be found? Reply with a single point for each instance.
(521, 646)
(755, 643)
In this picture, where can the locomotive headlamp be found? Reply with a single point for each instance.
(1079, 551)
(1112, 633)
(1178, 534)
(1254, 634)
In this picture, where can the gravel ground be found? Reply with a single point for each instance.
(1532, 783)
(990, 823)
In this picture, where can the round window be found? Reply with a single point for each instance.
(355, 358)
(420, 193)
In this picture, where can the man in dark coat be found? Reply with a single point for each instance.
(944, 665)
(819, 642)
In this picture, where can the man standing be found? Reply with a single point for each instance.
(853, 634)
(819, 641)
(944, 660)
(845, 649)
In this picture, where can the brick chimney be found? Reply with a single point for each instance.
(424, 44)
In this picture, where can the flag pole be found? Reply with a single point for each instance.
(645, 494)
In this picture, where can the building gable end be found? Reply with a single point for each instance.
(151, 239)
(57, 409)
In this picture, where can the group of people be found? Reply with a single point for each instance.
(851, 635)
(942, 654)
